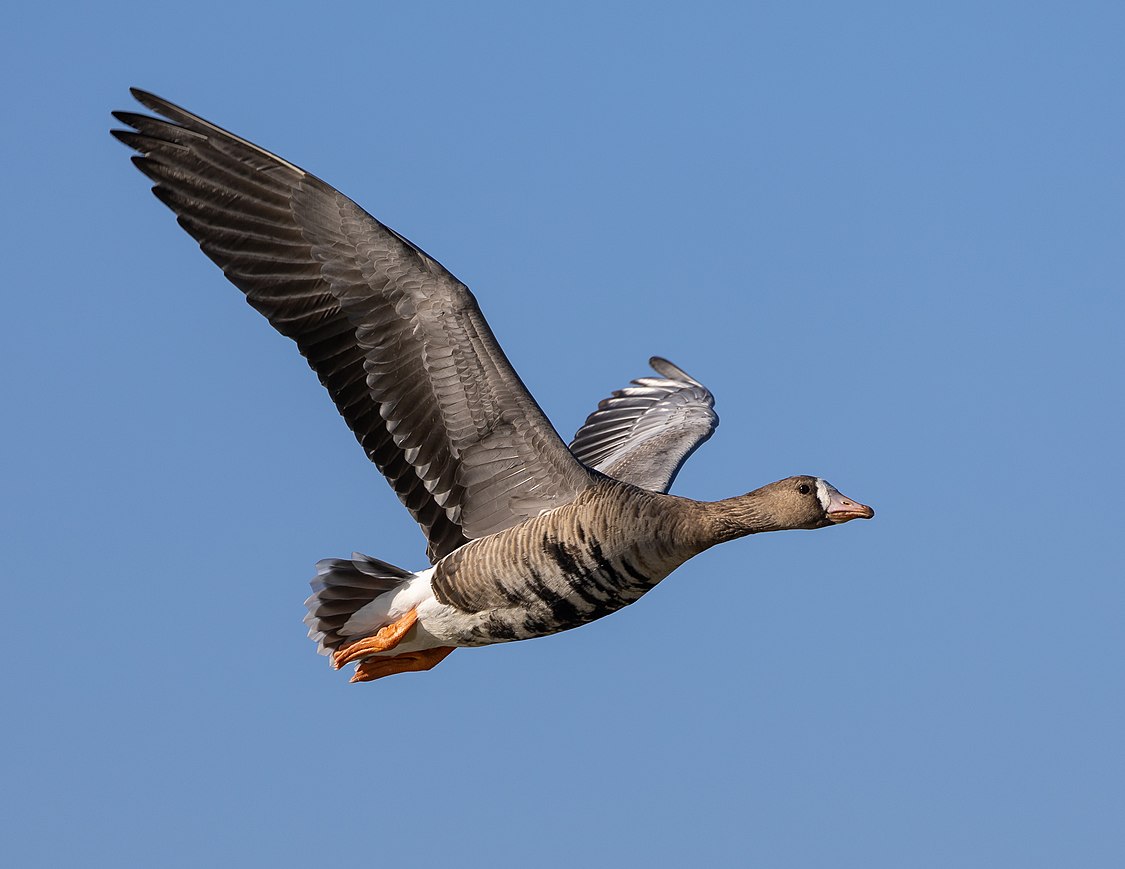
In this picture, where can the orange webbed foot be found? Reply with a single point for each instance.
(408, 662)
(387, 638)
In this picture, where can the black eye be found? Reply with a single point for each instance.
(804, 488)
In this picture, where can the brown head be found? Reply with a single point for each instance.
(808, 502)
(795, 502)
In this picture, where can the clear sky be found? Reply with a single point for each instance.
(889, 236)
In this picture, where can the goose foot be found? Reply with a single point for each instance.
(387, 638)
(408, 662)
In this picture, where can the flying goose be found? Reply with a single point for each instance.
(526, 537)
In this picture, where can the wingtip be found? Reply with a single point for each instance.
(128, 119)
(142, 96)
(156, 104)
(671, 370)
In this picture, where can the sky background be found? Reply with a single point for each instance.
(888, 236)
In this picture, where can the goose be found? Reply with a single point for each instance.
(526, 536)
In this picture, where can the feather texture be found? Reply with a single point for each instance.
(644, 433)
(526, 536)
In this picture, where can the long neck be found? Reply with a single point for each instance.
(736, 517)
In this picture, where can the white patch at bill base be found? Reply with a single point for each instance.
(824, 493)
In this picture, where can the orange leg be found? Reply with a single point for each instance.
(408, 662)
(386, 639)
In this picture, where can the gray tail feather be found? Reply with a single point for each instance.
(340, 588)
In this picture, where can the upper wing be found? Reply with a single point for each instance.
(398, 341)
(644, 433)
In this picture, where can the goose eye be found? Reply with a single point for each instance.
(804, 488)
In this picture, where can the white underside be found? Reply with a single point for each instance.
(436, 625)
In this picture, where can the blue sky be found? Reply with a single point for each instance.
(888, 236)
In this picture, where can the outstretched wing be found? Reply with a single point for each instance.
(644, 433)
(399, 343)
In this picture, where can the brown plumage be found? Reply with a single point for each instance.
(527, 536)
(608, 547)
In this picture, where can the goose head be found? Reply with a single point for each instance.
(807, 502)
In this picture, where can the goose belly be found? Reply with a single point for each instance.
(549, 589)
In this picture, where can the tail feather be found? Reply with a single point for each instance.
(341, 587)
